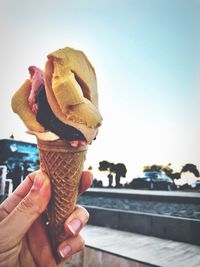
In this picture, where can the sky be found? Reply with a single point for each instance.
(146, 54)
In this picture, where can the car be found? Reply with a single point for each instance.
(196, 184)
(153, 180)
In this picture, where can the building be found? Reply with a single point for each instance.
(14, 152)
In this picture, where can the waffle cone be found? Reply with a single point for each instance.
(63, 164)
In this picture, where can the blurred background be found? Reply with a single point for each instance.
(146, 56)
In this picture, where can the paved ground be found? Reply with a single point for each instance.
(140, 248)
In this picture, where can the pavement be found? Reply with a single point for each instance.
(147, 250)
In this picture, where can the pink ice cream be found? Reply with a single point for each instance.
(37, 79)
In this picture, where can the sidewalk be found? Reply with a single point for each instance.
(134, 250)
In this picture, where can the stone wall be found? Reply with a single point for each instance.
(167, 227)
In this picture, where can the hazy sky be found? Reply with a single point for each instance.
(147, 58)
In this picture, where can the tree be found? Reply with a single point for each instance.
(107, 166)
(90, 168)
(104, 165)
(153, 167)
(119, 169)
(170, 172)
(189, 167)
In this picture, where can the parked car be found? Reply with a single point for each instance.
(196, 184)
(153, 180)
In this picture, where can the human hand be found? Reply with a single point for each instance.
(23, 232)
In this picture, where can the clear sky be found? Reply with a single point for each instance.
(147, 58)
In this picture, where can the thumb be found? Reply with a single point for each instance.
(15, 226)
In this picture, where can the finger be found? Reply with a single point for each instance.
(17, 223)
(39, 243)
(76, 221)
(86, 181)
(71, 246)
(21, 191)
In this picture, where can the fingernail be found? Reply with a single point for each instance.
(74, 226)
(38, 182)
(64, 250)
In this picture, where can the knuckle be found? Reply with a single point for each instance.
(29, 204)
(25, 204)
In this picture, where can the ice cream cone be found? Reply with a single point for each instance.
(59, 103)
(63, 164)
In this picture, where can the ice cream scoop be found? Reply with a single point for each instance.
(71, 91)
(46, 117)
